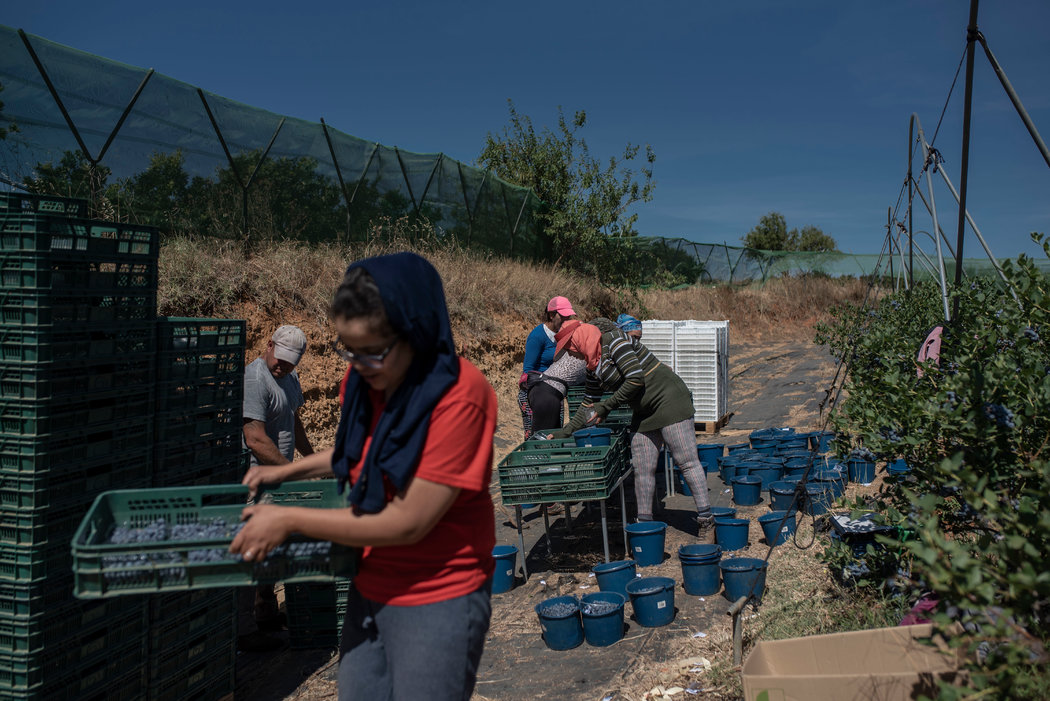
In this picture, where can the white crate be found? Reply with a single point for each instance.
(698, 352)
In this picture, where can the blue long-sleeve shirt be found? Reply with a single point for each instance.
(539, 350)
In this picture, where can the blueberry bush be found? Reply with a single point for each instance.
(973, 516)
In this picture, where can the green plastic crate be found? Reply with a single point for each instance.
(537, 472)
(18, 203)
(38, 528)
(167, 566)
(67, 623)
(315, 613)
(84, 309)
(98, 660)
(25, 600)
(176, 333)
(39, 416)
(229, 470)
(75, 486)
(41, 233)
(75, 448)
(208, 678)
(189, 425)
(60, 344)
(51, 273)
(177, 366)
(76, 380)
(189, 395)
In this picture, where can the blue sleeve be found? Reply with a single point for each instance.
(535, 344)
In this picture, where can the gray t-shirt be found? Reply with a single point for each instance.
(274, 402)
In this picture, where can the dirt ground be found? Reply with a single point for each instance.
(771, 384)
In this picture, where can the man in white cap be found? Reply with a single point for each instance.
(272, 398)
(272, 432)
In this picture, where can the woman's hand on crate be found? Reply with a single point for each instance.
(317, 464)
(266, 527)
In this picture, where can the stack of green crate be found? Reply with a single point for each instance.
(200, 392)
(618, 418)
(197, 441)
(315, 613)
(547, 471)
(77, 314)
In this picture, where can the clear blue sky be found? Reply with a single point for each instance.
(800, 107)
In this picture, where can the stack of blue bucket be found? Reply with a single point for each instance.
(700, 573)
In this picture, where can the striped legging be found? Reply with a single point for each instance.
(680, 439)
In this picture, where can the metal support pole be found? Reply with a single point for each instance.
(911, 149)
(940, 255)
(605, 531)
(738, 629)
(1040, 144)
(623, 513)
(521, 541)
(971, 38)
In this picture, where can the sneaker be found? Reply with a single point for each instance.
(705, 530)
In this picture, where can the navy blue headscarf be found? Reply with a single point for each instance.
(414, 301)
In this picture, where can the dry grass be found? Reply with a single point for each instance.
(202, 277)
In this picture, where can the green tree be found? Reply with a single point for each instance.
(159, 195)
(772, 234)
(586, 201)
(811, 238)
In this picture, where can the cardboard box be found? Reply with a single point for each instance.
(884, 664)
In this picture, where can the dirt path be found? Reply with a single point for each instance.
(771, 384)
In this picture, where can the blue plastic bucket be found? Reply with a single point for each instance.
(765, 447)
(723, 511)
(740, 573)
(775, 533)
(593, 436)
(506, 557)
(647, 542)
(683, 486)
(560, 622)
(700, 573)
(614, 576)
(731, 533)
(820, 441)
(747, 490)
(709, 453)
(602, 613)
(781, 494)
(898, 470)
(727, 472)
(766, 474)
(736, 447)
(795, 441)
(700, 552)
(653, 600)
(818, 498)
(862, 471)
(770, 460)
(833, 479)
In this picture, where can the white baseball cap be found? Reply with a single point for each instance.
(289, 344)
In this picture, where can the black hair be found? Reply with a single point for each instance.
(358, 297)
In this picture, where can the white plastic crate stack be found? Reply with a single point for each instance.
(698, 352)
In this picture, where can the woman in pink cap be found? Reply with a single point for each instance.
(539, 354)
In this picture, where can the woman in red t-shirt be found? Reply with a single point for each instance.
(415, 445)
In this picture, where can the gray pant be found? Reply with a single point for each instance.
(402, 653)
(680, 440)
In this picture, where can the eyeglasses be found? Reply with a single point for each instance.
(372, 362)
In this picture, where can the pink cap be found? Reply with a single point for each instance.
(560, 305)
